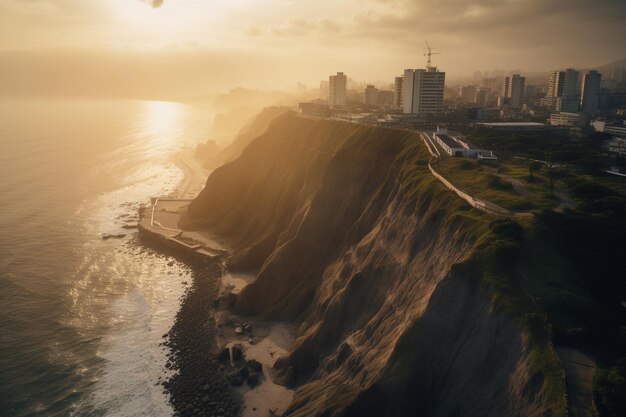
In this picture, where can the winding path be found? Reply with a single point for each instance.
(579, 372)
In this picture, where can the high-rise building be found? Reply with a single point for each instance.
(571, 83)
(481, 97)
(371, 95)
(505, 90)
(337, 90)
(555, 85)
(423, 91)
(591, 92)
(398, 93)
(563, 90)
(513, 91)
(467, 93)
(518, 85)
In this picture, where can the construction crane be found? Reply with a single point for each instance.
(429, 54)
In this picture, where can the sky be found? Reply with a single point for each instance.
(165, 47)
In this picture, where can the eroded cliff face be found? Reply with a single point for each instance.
(354, 241)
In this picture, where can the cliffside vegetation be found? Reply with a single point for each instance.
(573, 267)
(408, 301)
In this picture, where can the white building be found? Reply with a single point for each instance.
(591, 92)
(423, 91)
(455, 146)
(337, 90)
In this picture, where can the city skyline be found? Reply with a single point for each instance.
(136, 45)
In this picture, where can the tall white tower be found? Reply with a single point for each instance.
(337, 89)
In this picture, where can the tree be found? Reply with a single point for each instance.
(533, 166)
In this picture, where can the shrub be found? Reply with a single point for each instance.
(496, 182)
(609, 386)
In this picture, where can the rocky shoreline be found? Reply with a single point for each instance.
(198, 388)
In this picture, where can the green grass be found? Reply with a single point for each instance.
(496, 261)
(484, 182)
(555, 146)
(554, 282)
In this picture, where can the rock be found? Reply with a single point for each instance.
(251, 341)
(238, 330)
(170, 263)
(247, 328)
(253, 379)
(244, 372)
(237, 352)
(224, 354)
(254, 365)
(234, 378)
(290, 377)
(232, 299)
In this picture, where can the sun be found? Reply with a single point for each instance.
(172, 21)
(162, 119)
(140, 15)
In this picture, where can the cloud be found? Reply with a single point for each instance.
(154, 3)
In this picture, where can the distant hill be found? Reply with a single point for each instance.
(255, 126)
(607, 70)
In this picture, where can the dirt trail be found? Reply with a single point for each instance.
(579, 371)
(566, 200)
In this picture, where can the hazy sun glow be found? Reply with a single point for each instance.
(171, 20)
(162, 119)
(201, 46)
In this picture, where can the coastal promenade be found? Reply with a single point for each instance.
(213, 286)
(159, 220)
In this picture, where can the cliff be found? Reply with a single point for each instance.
(255, 126)
(358, 244)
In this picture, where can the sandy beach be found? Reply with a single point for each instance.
(206, 324)
(261, 341)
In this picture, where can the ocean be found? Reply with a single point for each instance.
(82, 318)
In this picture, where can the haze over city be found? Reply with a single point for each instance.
(187, 47)
(296, 208)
